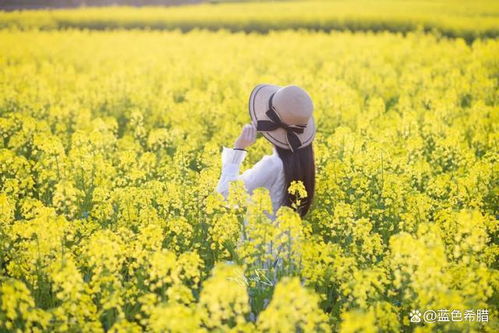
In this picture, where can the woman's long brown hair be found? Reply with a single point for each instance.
(298, 165)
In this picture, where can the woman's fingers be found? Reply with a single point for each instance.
(247, 132)
(247, 137)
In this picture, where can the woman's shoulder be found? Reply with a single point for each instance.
(274, 161)
(270, 163)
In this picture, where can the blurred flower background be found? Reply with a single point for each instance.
(112, 120)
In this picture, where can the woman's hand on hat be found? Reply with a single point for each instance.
(247, 137)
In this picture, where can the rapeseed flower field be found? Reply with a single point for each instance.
(455, 18)
(110, 152)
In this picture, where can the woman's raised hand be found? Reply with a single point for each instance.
(247, 137)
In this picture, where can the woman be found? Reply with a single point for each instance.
(284, 116)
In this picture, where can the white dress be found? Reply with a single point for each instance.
(268, 173)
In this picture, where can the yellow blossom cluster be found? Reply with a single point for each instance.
(110, 152)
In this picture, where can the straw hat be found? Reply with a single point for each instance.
(283, 115)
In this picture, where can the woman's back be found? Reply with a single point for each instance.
(277, 187)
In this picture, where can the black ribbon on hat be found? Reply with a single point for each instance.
(275, 122)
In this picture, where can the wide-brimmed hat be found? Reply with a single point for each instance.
(283, 115)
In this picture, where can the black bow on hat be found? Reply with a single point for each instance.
(275, 122)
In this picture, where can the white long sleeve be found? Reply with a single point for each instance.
(263, 174)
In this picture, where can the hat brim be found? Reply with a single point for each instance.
(259, 103)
